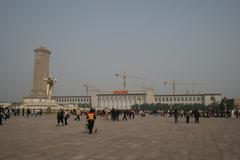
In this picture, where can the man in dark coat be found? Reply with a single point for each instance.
(175, 115)
(196, 116)
(124, 115)
(60, 115)
(187, 114)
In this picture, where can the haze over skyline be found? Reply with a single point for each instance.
(90, 41)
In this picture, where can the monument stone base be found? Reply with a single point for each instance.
(40, 103)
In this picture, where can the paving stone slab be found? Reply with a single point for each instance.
(39, 138)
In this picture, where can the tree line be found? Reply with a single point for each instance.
(226, 104)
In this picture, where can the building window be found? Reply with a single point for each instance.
(190, 98)
(163, 99)
(170, 99)
(174, 98)
(167, 99)
(186, 98)
(182, 99)
(198, 98)
(194, 98)
(156, 99)
(178, 98)
(159, 99)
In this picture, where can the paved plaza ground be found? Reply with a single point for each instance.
(148, 138)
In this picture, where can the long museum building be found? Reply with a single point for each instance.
(123, 99)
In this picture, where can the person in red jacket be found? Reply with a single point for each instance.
(91, 118)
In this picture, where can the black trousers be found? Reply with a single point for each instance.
(60, 120)
(90, 126)
(77, 118)
(187, 119)
(196, 119)
(65, 120)
(0, 119)
(124, 118)
(176, 119)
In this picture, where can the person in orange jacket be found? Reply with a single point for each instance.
(91, 119)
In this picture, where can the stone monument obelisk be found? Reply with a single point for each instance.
(41, 89)
(41, 71)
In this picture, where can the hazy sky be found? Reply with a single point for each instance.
(182, 40)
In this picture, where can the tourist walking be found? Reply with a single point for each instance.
(1, 115)
(133, 114)
(176, 116)
(196, 116)
(28, 112)
(60, 117)
(23, 112)
(18, 111)
(66, 116)
(187, 116)
(78, 115)
(124, 115)
(237, 113)
(106, 113)
(91, 119)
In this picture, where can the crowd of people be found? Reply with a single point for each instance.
(116, 115)
(63, 115)
(218, 114)
(187, 115)
(6, 113)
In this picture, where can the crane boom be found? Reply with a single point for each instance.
(173, 83)
(87, 88)
(124, 76)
